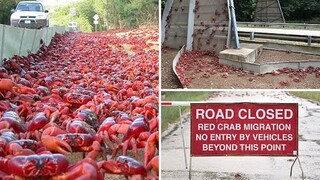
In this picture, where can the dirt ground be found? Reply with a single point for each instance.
(204, 72)
(168, 79)
(280, 56)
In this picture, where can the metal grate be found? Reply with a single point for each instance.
(27, 16)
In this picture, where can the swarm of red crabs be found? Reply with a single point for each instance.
(91, 93)
(205, 64)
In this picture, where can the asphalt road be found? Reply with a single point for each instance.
(245, 167)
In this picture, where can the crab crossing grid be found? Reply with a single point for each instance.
(248, 129)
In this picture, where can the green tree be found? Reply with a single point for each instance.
(113, 13)
(163, 4)
(294, 10)
(301, 11)
(5, 10)
(132, 13)
(245, 9)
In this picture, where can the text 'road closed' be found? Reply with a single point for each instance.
(244, 129)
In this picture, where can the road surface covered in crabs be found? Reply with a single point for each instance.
(84, 107)
(245, 167)
(201, 69)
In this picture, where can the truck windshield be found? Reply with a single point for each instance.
(29, 7)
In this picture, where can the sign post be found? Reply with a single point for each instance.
(95, 22)
(183, 143)
(73, 12)
(250, 129)
(234, 23)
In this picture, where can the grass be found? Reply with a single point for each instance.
(311, 95)
(170, 114)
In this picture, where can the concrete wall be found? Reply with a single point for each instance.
(177, 25)
(268, 67)
(19, 41)
(211, 25)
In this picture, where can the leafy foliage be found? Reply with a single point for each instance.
(294, 10)
(297, 10)
(5, 10)
(170, 115)
(113, 14)
(132, 13)
(245, 9)
(163, 4)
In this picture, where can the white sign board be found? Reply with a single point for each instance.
(73, 12)
(96, 17)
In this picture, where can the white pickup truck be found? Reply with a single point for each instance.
(29, 14)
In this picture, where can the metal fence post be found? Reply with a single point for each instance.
(309, 40)
(21, 42)
(184, 146)
(234, 24)
(2, 43)
(34, 38)
(251, 35)
(190, 25)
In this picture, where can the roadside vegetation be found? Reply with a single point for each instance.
(298, 11)
(311, 95)
(170, 114)
(5, 10)
(114, 14)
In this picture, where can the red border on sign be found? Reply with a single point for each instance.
(245, 129)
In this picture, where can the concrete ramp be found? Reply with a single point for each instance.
(176, 26)
(210, 24)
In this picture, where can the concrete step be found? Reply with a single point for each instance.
(247, 53)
